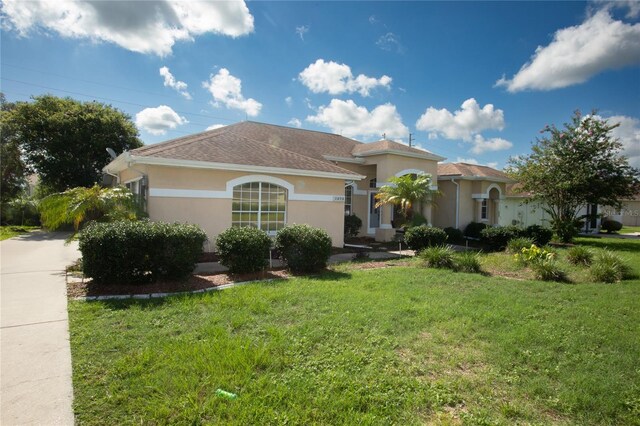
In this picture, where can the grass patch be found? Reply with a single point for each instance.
(11, 231)
(401, 345)
(629, 229)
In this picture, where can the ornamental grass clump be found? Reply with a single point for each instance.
(517, 244)
(548, 270)
(438, 257)
(579, 255)
(468, 261)
(607, 267)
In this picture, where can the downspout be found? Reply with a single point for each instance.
(457, 202)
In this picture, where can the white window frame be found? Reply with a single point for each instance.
(259, 212)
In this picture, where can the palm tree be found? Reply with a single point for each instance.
(406, 192)
(80, 205)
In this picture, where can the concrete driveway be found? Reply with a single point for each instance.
(35, 364)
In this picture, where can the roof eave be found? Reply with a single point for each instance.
(425, 156)
(159, 161)
(491, 178)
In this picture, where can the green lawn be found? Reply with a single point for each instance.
(629, 229)
(11, 231)
(399, 345)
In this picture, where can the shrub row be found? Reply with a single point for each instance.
(498, 237)
(303, 248)
(420, 237)
(140, 251)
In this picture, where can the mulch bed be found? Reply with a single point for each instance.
(77, 288)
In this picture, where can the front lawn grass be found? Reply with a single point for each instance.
(401, 345)
(11, 231)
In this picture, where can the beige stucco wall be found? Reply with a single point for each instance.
(214, 214)
(629, 215)
(388, 165)
(514, 211)
(469, 208)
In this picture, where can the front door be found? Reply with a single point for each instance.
(374, 214)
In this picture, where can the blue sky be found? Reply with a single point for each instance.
(472, 81)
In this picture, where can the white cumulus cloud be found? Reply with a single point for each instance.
(482, 145)
(348, 119)
(578, 53)
(628, 133)
(140, 26)
(463, 123)
(295, 123)
(227, 90)
(215, 126)
(493, 164)
(158, 120)
(170, 81)
(334, 78)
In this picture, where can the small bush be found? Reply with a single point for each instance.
(438, 257)
(243, 249)
(608, 267)
(548, 270)
(454, 235)
(498, 237)
(579, 255)
(352, 225)
(474, 229)
(540, 235)
(468, 261)
(516, 245)
(143, 251)
(304, 248)
(416, 220)
(610, 225)
(420, 237)
(533, 255)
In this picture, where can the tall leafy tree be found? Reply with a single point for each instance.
(406, 192)
(65, 140)
(571, 167)
(12, 168)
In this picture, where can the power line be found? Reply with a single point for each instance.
(110, 99)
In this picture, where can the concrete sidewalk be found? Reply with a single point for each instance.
(35, 365)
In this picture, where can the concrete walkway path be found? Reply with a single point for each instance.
(35, 363)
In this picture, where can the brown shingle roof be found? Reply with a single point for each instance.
(256, 144)
(470, 170)
(386, 145)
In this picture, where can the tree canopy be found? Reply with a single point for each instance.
(65, 140)
(571, 167)
(12, 167)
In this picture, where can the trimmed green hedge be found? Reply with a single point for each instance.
(304, 248)
(139, 251)
(420, 237)
(498, 237)
(539, 234)
(473, 229)
(352, 225)
(243, 249)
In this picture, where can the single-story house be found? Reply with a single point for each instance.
(469, 193)
(628, 214)
(269, 176)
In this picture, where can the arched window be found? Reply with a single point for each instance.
(261, 205)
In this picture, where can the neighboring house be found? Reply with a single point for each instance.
(516, 210)
(469, 193)
(255, 174)
(628, 215)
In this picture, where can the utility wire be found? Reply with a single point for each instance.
(109, 99)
